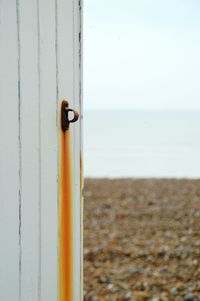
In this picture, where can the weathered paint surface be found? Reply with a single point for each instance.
(40, 58)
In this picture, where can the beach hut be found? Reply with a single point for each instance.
(40, 150)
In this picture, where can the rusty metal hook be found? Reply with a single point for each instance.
(65, 121)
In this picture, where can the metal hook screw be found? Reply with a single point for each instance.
(65, 121)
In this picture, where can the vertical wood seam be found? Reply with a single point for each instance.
(56, 51)
(73, 31)
(74, 87)
(74, 139)
(80, 54)
(19, 137)
(39, 154)
(57, 125)
(80, 6)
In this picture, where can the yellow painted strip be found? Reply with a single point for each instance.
(65, 219)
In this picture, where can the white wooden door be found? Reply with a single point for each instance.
(40, 65)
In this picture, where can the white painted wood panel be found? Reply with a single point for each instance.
(31, 152)
(49, 151)
(77, 147)
(9, 154)
(40, 55)
(69, 58)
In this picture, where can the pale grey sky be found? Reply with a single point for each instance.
(142, 54)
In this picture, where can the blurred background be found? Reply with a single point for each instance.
(141, 150)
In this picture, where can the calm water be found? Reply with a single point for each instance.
(142, 144)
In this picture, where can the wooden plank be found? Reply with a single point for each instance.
(31, 157)
(69, 77)
(77, 150)
(49, 151)
(65, 15)
(9, 153)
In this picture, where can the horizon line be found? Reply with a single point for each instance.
(141, 109)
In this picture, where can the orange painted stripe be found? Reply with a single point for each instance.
(65, 220)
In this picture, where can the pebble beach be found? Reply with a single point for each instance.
(141, 240)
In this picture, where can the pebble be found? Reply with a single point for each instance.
(156, 298)
(174, 291)
(133, 271)
(127, 297)
(103, 279)
(110, 286)
(189, 297)
(93, 298)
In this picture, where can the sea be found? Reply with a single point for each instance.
(141, 144)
